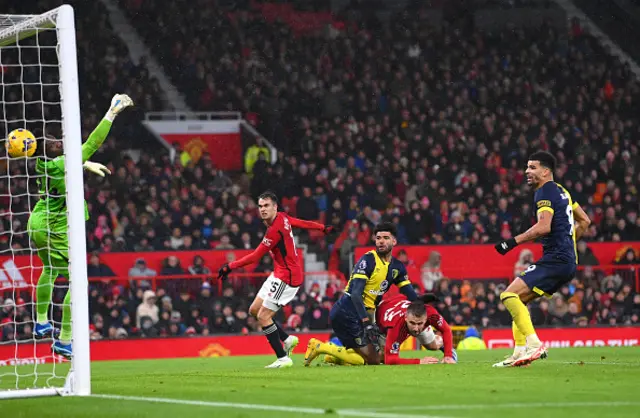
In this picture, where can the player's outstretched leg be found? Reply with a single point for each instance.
(346, 356)
(521, 317)
(519, 349)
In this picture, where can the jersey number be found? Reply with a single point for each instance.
(295, 251)
(570, 216)
(397, 309)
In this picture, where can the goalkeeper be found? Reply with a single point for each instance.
(47, 226)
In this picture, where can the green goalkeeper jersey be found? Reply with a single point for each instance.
(51, 183)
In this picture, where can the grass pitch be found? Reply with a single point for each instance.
(584, 382)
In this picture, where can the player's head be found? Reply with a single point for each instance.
(540, 168)
(416, 317)
(385, 235)
(53, 147)
(268, 205)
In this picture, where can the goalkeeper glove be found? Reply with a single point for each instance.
(506, 246)
(118, 104)
(224, 271)
(96, 168)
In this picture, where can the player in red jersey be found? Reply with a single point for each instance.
(282, 285)
(399, 318)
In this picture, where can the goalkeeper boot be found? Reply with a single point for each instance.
(533, 353)
(290, 343)
(45, 330)
(311, 352)
(63, 350)
(281, 363)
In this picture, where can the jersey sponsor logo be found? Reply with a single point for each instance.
(543, 203)
(361, 272)
(384, 285)
(362, 265)
(267, 242)
(287, 226)
(395, 348)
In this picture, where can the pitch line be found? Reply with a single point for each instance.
(452, 407)
(262, 407)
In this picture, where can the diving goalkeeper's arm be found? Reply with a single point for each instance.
(119, 102)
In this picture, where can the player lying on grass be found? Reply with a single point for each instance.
(352, 316)
(398, 319)
(282, 285)
(560, 222)
(47, 226)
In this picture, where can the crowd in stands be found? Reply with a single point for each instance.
(429, 127)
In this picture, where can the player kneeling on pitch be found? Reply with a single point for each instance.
(398, 319)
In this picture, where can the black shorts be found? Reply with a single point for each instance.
(547, 275)
(347, 324)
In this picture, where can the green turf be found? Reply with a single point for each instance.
(585, 378)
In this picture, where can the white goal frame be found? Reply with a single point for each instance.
(78, 380)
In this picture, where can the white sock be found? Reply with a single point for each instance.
(533, 340)
(519, 349)
(43, 323)
(65, 342)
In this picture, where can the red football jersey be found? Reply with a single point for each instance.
(390, 317)
(279, 241)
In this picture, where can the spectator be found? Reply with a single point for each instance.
(147, 309)
(140, 269)
(525, 259)
(198, 267)
(225, 243)
(586, 257)
(431, 272)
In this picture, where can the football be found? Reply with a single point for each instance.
(21, 143)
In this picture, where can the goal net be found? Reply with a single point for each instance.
(39, 88)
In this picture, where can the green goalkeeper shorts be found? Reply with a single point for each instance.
(49, 236)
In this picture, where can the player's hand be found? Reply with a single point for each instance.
(371, 333)
(448, 360)
(328, 229)
(429, 360)
(506, 246)
(119, 102)
(96, 168)
(224, 271)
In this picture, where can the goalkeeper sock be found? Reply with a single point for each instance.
(44, 292)
(519, 339)
(520, 315)
(281, 332)
(65, 332)
(271, 332)
(347, 356)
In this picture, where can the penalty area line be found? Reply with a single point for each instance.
(262, 407)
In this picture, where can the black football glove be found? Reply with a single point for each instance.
(371, 334)
(328, 229)
(506, 246)
(224, 271)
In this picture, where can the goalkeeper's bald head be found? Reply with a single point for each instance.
(53, 147)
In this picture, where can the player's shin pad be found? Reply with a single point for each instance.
(347, 356)
(519, 312)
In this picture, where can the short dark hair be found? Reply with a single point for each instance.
(417, 308)
(385, 227)
(269, 195)
(546, 159)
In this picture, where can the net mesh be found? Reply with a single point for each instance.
(30, 89)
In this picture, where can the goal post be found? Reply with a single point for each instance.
(42, 49)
